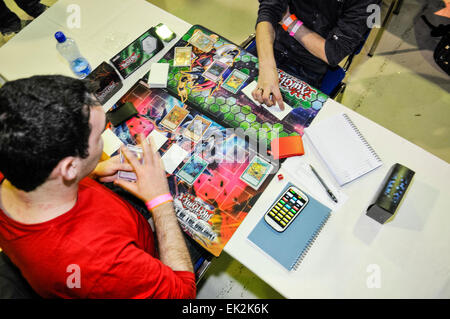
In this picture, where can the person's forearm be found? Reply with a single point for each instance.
(172, 247)
(311, 41)
(265, 36)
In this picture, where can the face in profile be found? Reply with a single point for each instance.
(97, 122)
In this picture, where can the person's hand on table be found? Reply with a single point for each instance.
(106, 171)
(151, 177)
(268, 90)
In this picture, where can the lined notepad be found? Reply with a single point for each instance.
(343, 148)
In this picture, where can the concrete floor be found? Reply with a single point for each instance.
(400, 88)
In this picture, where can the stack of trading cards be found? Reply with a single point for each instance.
(158, 74)
(130, 176)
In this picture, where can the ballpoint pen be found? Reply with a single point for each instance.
(324, 185)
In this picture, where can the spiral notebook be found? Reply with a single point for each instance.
(343, 148)
(289, 247)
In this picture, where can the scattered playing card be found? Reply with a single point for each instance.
(193, 168)
(235, 81)
(173, 157)
(197, 128)
(215, 71)
(182, 56)
(202, 41)
(157, 140)
(275, 109)
(174, 118)
(256, 172)
(111, 143)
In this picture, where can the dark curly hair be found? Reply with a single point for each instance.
(43, 119)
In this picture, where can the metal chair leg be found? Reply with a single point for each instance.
(385, 23)
(399, 6)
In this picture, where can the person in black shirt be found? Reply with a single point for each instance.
(303, 38)
(10, 22)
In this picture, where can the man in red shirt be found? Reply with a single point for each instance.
(70, 236)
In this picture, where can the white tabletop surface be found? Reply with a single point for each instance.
(354, 256)
(406, 258)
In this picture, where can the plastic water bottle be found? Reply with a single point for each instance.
(67, 47)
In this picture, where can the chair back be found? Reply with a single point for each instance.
(12, 283)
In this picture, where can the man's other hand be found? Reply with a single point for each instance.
(151, 177)
(106, 171)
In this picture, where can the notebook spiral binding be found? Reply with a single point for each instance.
(310, 243)
(369, 147)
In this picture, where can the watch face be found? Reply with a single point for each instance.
(149, 44)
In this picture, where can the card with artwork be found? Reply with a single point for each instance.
(256, 172)
(174, 118)
(235, 81)
(192, 170)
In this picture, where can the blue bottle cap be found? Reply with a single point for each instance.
(60, 37)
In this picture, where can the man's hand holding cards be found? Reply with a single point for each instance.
(150, 178)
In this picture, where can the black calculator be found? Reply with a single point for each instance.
(286, 208)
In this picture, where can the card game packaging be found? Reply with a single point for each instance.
(108, 81)
(137, 53)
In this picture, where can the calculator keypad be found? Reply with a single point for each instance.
(286, 208)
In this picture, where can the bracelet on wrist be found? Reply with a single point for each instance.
(288, 21)
(159, 200)
(295, 28)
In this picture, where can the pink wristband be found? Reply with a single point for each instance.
(159, 200)
(295, 28)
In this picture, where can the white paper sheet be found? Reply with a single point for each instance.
(275, 109)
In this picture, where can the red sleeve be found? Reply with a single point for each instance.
(136, 274)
